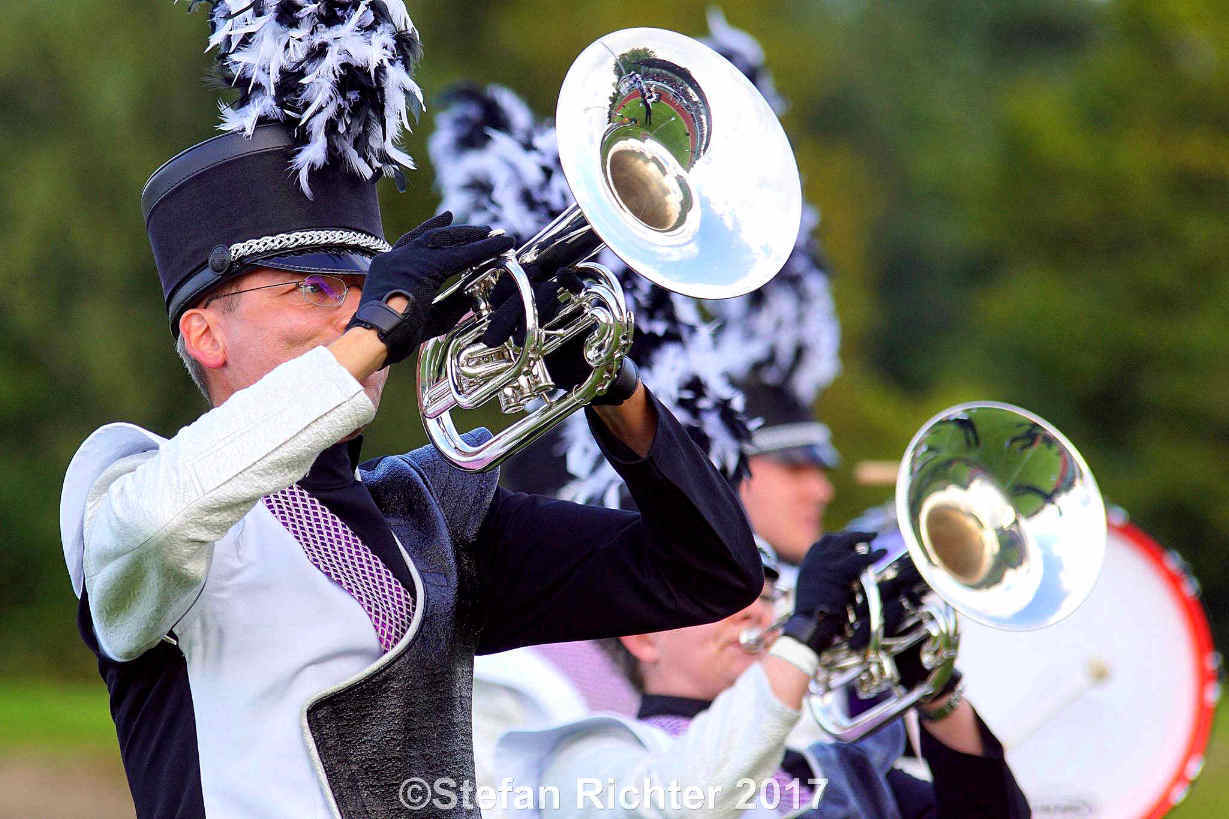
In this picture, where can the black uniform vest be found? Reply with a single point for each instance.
(409, 717)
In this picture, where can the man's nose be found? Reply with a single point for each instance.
(821, 487)
(758, 613)
(765, 611)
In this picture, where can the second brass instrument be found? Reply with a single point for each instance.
(1004, 523)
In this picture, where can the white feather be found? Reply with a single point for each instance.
(256, 52)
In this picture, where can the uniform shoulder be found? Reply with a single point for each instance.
(104, 447)
(462, 496)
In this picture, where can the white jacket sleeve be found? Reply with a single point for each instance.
(727, 752)
(151, 519)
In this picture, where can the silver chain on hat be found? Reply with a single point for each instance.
(336, 237)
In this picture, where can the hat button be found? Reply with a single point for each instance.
(219, 259)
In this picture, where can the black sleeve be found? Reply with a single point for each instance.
(553, 571)
(151, 705)
(915, 798)
(967, 785)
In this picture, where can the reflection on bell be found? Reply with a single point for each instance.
(1002, 516)
(957, 541)
(678, 163)
(648, 183)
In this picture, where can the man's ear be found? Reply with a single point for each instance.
(643, 647)
(203, 338)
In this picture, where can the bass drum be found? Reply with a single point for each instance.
(1108, 712)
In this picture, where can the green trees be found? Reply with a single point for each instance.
(1053, 233)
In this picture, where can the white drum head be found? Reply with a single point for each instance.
(1108, 712)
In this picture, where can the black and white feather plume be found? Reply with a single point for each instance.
(497, 164)
(786, 333)
(338, 73)
(745, 52)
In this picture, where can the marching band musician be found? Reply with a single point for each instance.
(789, 458)
(785, 497)
(283, 630)
(714, 719)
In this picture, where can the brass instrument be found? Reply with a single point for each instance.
(1004, 523)
(680, 167)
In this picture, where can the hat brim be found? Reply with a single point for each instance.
(813, 454)
(797, 442)
(317, 261)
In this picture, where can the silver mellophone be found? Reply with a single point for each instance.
(1004, 523)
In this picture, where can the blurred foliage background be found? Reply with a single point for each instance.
(1022, 200)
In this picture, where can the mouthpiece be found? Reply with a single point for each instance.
(753, 639)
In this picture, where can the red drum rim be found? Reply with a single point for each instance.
(1207, 662)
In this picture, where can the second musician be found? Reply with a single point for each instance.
(714, 717)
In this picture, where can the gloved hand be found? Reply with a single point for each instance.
(825, 587)
(900, 595)
(415, 267)
(913, 672)
(508, 319)
(566, 365)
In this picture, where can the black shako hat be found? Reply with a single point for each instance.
(229, 202)
(789, 431)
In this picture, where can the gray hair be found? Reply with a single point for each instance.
(194, 368)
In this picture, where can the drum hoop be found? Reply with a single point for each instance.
(1205, 666)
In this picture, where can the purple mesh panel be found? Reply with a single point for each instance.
(337, 552)
(792, 791)
(672, 725)
(594, 674)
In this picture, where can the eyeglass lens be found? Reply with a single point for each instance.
(323, 291)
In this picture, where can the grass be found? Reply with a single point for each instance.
(55, 718)
(71, 720)
(1209, 798)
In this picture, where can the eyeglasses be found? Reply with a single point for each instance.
(318, 290)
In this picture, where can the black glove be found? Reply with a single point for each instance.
(507, 318)
(567, 365)
(913, 673)
(825, 587)
(899, 596)
(415, 267)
